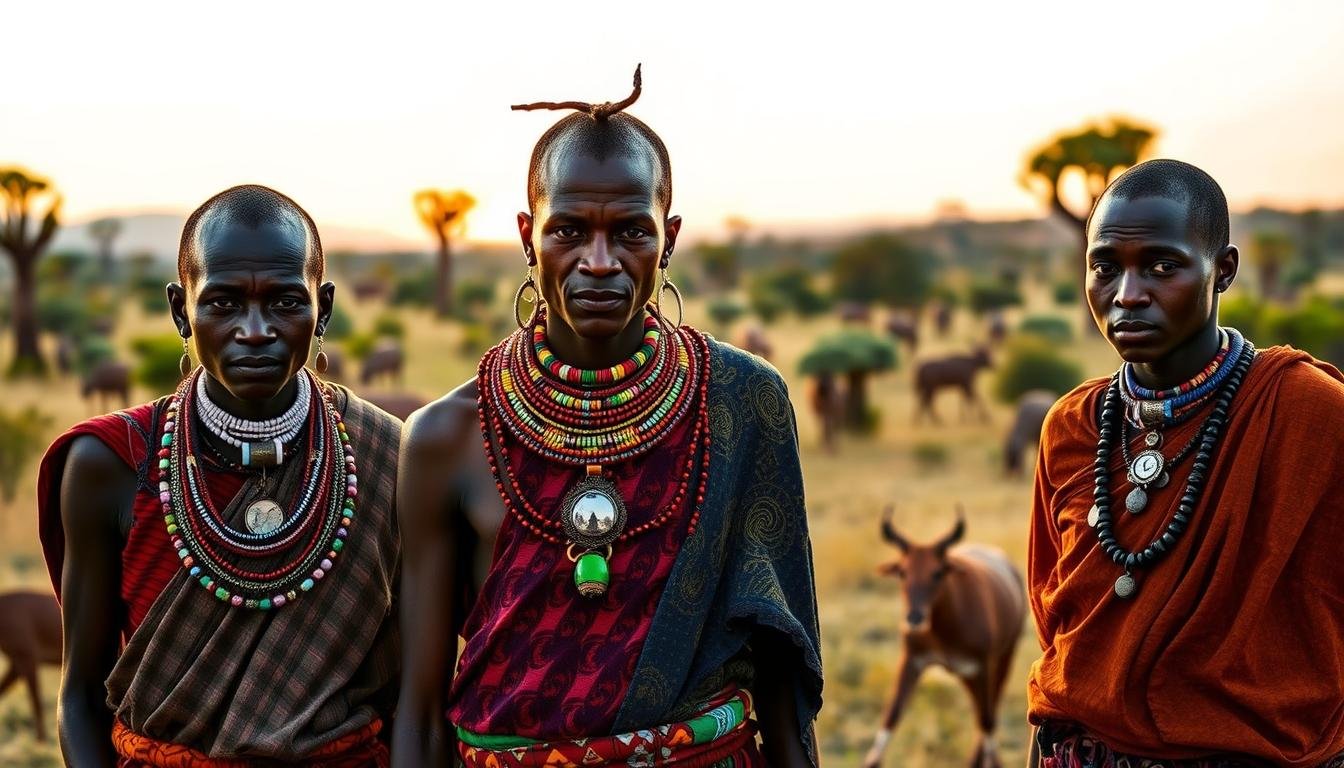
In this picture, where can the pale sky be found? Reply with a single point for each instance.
(784, 114)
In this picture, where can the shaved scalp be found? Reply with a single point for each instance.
(598, 131)
(1184, 183)
(252, 206)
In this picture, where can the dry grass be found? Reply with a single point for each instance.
(845, 492)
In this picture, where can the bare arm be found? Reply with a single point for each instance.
(1033, 751)
(776, 704)
(96, 489)
(428, 508)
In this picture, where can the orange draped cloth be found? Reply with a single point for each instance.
(358, 749)
(1234, 642)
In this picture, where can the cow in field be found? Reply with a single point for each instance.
(756, 342)
(905, 328)
(955, 372)
(106, 380)
(965, 605)
(1026, 429)
(852, 312)
(942, 318)
(386, 359)
(30, 635)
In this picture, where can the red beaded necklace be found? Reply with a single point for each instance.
(519, 397)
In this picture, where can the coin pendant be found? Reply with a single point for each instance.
(1152, 439)
(264, 516)
(1093, 516)
(1146, 467)
(1125, 586)
(1136, 500)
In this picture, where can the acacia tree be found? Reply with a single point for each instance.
(1096, 153)
(104, 231)
(22, 195)
(444, 213)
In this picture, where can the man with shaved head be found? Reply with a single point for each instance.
(610, 514)
(1183, 567)
(225, 555)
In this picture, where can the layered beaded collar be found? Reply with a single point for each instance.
(591, 418)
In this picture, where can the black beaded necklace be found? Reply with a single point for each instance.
(1111, 427)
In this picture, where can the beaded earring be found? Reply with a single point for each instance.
(320, 362)
(184, 363)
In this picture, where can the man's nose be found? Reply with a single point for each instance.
(1132, 292)
(255, 328)
(600, 261)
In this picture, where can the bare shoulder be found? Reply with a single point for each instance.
(441, 429)
(90, 463)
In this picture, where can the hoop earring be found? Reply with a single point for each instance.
(535, 301)
(658, 305)
(320, 362)
(184, 363)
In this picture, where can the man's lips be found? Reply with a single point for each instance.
(595, 300)
(254, 362)
(1132, 330)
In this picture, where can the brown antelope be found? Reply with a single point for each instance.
(756, 342)
(106, 380)
(905, 328)
(385, 359)
(965, 604)
(1026, 429)
(30, 634)
(953, 371)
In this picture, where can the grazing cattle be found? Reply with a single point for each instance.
(965, 604)
(399, 404)
(107, 379)
(905, 328)
(853, 312)
(942, 318)
(829, 406)
(1026, 429)
(947, 372)
(385, 360)
(998, 328)
(65, 354)
(30, 635)
(755, 342)
(369, 288)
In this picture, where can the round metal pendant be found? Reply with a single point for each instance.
(264, 516)
(593, 513)
(1152, 439)
(1136, 500)
(1146, 467)
(1162, 480)
(1093, 516)
(1125, 586)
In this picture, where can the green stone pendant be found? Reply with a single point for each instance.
(591, 574)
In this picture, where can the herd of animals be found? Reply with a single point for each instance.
(965, 603)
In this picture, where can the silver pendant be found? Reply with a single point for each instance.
(1146, 467)
(593, 513)
(1162, 480)
(1125, 586)
(1152, 439)
(1094, 516)
(264, 516)
(1136, 500)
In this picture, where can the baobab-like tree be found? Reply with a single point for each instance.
(444, 213)
(104, 232)
(21, 197)
(1096, 154)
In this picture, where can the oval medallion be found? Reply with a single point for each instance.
(1094, 516)
(1136, 500)
(1146, 468)
(1125, 586)
(1152, 439)
(593, 513)
(264, 516)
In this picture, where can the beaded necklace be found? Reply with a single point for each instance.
(1112, 426)
(588, 419)
(280, 556)
(262, 442)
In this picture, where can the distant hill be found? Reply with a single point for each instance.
(158, 233)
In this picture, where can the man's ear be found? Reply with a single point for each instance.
(177, 308)
(670, 229)
(1225, 265)
(326, 302)
(525, 234)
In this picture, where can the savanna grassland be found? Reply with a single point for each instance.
(924, 470)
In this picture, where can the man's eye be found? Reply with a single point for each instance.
(1103, 269)
(566, 233)
(634, 233)
(1164, 268)
(288, 303)
(223, 303)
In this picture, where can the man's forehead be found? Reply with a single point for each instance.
(1145, 216)
(570, 172)
(224, 245)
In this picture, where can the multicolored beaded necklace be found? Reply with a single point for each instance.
(267, 568)
(590, 418)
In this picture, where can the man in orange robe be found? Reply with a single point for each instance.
(1202, 621)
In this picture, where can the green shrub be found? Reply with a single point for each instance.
(389, 325)
(359, 345)
(1052, 329)
(1316, 326)
(990, 295)
(777, 291)
(415, 289)
(21, 437)
(473, 296)
(1065, 291)
(63, 313)
(1032, 363)
(1243, 313)
(476, 339)
(91, 351)
(767, 303)
(724, 311)
(929, 455)
(159, 356)
(341, 325)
